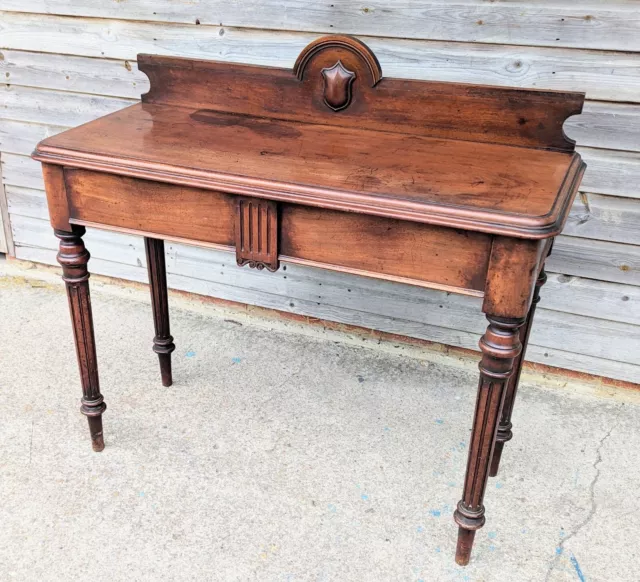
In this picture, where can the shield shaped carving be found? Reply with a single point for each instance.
(337, 86)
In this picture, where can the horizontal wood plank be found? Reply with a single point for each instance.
(55, 107)
(608, 218)
(19, 137)
(115, 78)
(611, 172)
(27, 202)
(611, 26)
(605, 261)
(613, 126)
(21, 171)
(592, 298)
(581, 363)
(604, 75)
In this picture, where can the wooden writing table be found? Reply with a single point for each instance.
(454, 187)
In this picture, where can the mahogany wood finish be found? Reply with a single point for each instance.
(386, 246)
(257, 233)
(73, 257)
(500, 346)
(163, 341)
(145, 206)
(504, 428)
(443, 185)
(460, 184)
(529, 118)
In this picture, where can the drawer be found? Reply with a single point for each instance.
(132, 204)
(386, 248)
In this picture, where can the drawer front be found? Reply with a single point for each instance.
(393, 249)
(133, 204)
(369, 245)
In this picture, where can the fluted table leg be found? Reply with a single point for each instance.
(500, 346)
(73, 257)
(163, 341)
(504, 428)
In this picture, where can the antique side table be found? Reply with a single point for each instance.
(448, 186)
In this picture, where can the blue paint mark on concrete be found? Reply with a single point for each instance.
(492, 535)
(141, 493)
(463, 444)
(439, 421)
(190, 354)
(364, 497)
(492, 548)
(419, 529)
(576, 567)
(558, 550)
(332, 508)
(524, 530)
(498, 485)
(435, 512)
(451, 484)
(438, 550)
(236, 360)
(386, 429)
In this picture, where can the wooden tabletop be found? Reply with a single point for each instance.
(479, 186)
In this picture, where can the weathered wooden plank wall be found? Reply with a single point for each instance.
(67, 62)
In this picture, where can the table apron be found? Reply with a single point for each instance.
(386, 248)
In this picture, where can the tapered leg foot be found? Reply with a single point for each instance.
(500, 346)
(97, 437)
(465, 543)
(495, 460)
(165, 369)
(504, 428)
(163, 341)
(73, 257)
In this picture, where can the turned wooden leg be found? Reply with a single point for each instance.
(74, 258)
(163, 341)
(505, 426)
(500, 347)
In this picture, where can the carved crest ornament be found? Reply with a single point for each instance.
(337, 86)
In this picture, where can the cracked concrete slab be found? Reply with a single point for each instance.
(284, 454)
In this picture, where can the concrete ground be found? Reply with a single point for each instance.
(287, 453)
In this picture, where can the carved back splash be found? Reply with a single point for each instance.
(337, 80)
